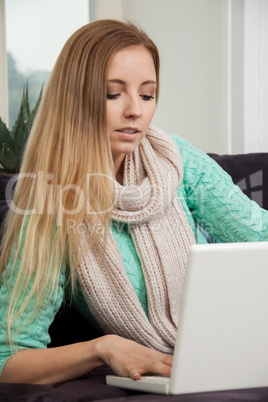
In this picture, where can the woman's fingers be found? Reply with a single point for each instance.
(156, 367)
(135, 374)
(128, 358)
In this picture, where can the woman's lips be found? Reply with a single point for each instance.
(128, 130)
(128, 133)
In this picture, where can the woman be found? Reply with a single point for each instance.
(121, 244)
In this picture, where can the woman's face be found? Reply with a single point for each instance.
(131, 103)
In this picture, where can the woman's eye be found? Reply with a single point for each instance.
(112, 96)
(147, 97)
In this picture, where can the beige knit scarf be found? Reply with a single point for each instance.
(162, 236)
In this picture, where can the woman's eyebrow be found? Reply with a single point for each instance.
(116, 81)
(148, 82)
(121, 82)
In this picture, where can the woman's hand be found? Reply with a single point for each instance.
(130, 359)
(45, 366)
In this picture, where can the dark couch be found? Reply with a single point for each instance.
(250, 172)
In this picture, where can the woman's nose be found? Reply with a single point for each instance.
(133, 108)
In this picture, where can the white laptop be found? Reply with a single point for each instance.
(222, 339)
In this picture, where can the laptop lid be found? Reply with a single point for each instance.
(222, 340)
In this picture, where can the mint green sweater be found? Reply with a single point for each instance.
(210, 200)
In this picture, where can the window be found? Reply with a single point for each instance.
(36, 30)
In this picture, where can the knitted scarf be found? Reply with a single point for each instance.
(162, 236)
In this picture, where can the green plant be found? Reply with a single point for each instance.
(13, 142)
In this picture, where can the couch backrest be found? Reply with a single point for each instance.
(249, 172)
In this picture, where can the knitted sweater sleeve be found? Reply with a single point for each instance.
(216, 204)
(34, 329)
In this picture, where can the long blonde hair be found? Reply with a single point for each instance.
(67, 168)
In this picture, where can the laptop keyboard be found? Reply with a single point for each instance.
(157, 378)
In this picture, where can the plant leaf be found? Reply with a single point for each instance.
(19, 122)
(35, 108)
(26, 103)
(25, 122)
(12, 143)
(9, 161)
(5, 136)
